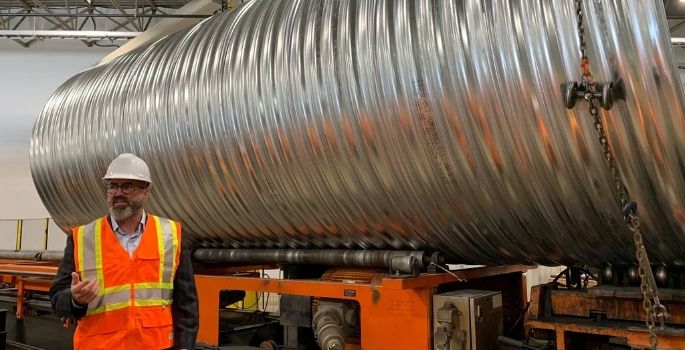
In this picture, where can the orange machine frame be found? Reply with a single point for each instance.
(395, 312)
(580, 304)
(27, 276)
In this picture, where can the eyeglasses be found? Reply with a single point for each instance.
(126, 188)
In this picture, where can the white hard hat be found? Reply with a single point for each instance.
(128, 166)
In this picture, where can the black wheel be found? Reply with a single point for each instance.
(570, 97)
(608, 96)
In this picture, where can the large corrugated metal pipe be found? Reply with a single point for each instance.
(433, 125)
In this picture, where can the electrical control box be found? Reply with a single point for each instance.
(467, 320)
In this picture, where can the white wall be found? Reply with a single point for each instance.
(27, 79)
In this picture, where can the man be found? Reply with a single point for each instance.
(126, 277)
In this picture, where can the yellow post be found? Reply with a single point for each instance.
(20, 223)
(45, 234)
(250, 302)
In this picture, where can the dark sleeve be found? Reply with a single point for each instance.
(185, 306)
(60, 291)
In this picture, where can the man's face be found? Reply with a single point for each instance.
(125, 197)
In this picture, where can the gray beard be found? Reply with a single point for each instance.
(120, 214)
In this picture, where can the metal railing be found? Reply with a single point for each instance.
(20, 229)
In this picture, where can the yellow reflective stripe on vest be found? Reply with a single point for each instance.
(145, 285)
(98, 256)
(110, 301)
(152, 302)
(174, 252)
(90, 264)
(79, 243)
(160, 244)
(167, 244)
(114, 289)
(87, 258)
(153, 297)
(159, 293)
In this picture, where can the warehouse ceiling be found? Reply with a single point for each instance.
(96, 22)
(675, 12)
(113, 22)
(4, 4)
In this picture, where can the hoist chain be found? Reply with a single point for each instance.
(590, 90)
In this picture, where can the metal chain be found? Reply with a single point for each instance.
(650, 298)
(581, 30)
(653, 308)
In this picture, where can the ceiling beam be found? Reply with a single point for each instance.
(196, 8)
(128, 18)
(59, 26)
(9, 18)
(49, 11)
(68, 34)
(121, 25)
(26, 45)
(82, 14)
(675, 27)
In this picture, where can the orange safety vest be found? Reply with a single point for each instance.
(132, 309)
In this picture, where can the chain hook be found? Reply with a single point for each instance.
(605, 93)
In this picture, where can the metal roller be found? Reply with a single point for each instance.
(386, 124)
(407, 262)
(37, 255)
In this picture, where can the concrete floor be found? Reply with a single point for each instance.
(37, 331)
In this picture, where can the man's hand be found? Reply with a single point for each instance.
(83, 292)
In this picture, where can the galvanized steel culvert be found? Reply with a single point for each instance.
(383, 124)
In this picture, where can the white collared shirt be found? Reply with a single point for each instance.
(129, 241)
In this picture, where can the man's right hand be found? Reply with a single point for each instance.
(83, 292)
